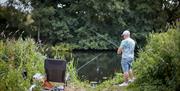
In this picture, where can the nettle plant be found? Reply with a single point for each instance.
(158, 66)
(19, 61)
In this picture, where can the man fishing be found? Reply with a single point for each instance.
(126, 48)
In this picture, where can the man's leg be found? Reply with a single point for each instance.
(124, 66)
(125, 83)
(126, 76)
(131, 76)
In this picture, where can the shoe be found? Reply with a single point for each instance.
(131, 80)
(123, 84)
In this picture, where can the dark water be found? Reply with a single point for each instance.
(103, 67)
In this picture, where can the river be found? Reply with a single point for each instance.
(98, 68)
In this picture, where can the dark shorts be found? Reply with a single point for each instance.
(126, 64)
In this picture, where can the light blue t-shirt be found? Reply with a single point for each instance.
(127, 46)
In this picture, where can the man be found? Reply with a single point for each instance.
(127, 50)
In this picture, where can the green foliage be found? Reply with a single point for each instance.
(72, 21)
(15, 58)
(12, 22)
(74, 79)
(158, 64)
(59, 51)
(89, 39)
(52, 28)
(108, 84)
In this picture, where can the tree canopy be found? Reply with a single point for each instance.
(94, 24)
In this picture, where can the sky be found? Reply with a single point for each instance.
(19, 6)
(2, 1)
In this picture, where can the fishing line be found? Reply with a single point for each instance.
(89, 62)
(99, 54)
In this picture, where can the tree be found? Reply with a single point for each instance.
(151, 16)
(80, 22)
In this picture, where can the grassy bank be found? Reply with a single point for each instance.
(19, 61)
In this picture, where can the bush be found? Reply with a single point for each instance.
(158, 66)
(59, 51)
(16, 59)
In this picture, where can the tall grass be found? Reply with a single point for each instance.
(108, 85)
(58, 51)
(16, 57)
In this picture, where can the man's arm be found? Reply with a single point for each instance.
(119, 51)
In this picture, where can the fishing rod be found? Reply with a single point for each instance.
(99, 54)
(89, 62)
(105, 38)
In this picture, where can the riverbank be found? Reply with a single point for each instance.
(112, 88)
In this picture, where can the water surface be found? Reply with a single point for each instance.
(99, 69)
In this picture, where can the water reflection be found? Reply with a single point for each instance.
(100, 68)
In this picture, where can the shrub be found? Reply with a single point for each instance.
(158, 66)
(18, 57)
(59, 51)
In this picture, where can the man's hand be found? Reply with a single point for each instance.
(119, 51)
